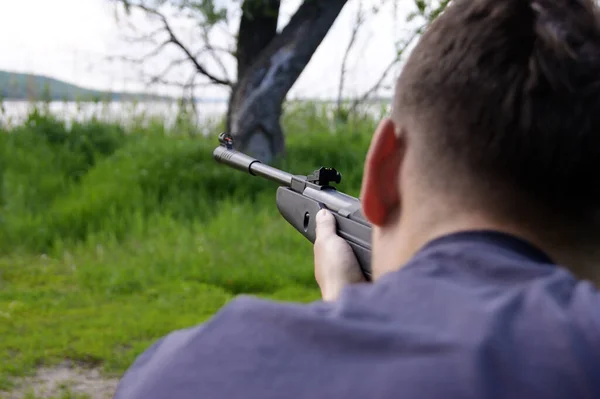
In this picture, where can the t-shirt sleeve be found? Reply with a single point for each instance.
(585, 305)
(152, 362)
(149, 372)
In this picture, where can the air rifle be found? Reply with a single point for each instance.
(299, 198)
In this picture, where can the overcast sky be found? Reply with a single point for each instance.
(71, 39)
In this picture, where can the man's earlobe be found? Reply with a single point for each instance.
(380, 194)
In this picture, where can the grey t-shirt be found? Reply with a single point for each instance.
(473, 315)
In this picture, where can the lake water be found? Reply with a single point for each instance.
(13, 113)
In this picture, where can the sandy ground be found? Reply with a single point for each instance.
(52, 382)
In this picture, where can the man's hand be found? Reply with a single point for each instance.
(335, 264)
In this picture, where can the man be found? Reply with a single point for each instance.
(484, 195)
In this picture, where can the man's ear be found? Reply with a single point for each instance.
(380, 193)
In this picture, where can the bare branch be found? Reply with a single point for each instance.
(150, 37)
(167, 69)
(143, 59)
(428, 11)
(173, 39)
(377, 85)
(157, 50)
(213, 52)
(178, 84)
(190, 86)
(356, 27)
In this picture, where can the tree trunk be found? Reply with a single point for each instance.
(258, 26)
(255, 105)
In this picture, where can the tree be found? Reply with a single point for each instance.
(268, 61)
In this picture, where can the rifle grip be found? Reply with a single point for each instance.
(300, 211)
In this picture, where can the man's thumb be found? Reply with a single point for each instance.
(325, 225)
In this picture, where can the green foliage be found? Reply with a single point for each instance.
(41, 161)
(428, 10)
(111, 239)
(207, 12)
(212, 13)
(64, 393)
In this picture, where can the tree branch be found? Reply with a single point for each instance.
(143, 59)
(179, 84)
(213, 52)
(428, 10)
(377, 85)
(173, 39)
(258, 27)
(155, 52)
(149, 37)
(155, 78)
(356, 27)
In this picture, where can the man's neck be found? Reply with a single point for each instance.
(417, 229)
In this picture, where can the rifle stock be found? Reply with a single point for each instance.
(299, 198)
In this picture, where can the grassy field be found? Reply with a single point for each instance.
(110, 239)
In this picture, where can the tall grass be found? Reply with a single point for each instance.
(111, 237)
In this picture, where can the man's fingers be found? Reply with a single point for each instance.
(325, 225)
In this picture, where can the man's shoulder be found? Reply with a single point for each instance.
(389, 323)
(246, 314)
(246, 308)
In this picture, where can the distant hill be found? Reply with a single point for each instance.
(24, 86)
(18, 86)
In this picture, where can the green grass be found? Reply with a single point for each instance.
(110, 239)
(64, 393)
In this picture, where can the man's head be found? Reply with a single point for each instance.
(496, 124)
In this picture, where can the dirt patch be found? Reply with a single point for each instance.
(55, 381)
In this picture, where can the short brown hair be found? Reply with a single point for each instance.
(509, 91)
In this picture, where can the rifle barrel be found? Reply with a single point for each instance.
(250, 165)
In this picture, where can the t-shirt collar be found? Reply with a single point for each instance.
(496, 238)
